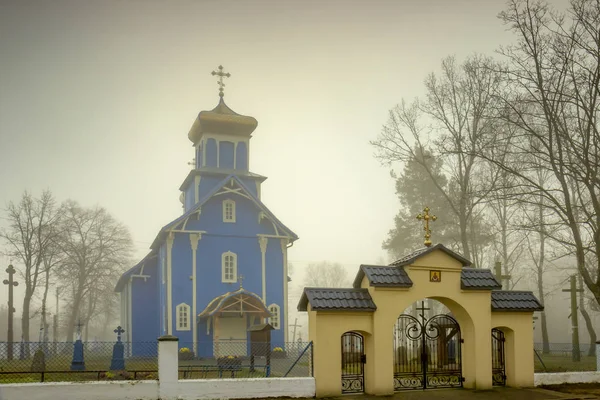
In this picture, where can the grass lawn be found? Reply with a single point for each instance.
(62, 363)
(563, 363)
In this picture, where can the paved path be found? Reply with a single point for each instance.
(460, 394)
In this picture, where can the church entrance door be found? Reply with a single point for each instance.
(427, 353)
(231, 336)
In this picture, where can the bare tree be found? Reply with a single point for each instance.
(554, 70)
(96, 249)
(31, 226)
(456, 107)
(326, 274)
(588, 321)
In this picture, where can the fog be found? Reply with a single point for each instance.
(96, 99)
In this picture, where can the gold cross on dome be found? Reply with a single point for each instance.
(427, 217)
(221, 74)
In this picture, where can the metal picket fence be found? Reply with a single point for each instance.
(51, 362)
(244, 359)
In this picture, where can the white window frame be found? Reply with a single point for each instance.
(275, 321)
(224, 278)
(231, 203)
(185, 308)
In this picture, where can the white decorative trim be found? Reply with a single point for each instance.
(275, 321)
(257, 189)
(129, 322)
(170, 238)
(197, 180)
(186, 308)
(263, 241)
(284, 243)
(231, 203)
(194, 238)
(234, 267)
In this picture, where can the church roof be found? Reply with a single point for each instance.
(410, 258)
(221, 119)
(336, 299)
(247, 192)
(391, 276)
(239, 301)
(383, 276)
(214, 171)
(513, 300)
(137, 267)
(478, 279)
(323, 299)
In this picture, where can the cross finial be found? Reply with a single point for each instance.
(10, 281)
(221, 74)
(119, 331)
(427, 217)
(241, 279)
(79, 325)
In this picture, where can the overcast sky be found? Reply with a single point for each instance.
(97, 97)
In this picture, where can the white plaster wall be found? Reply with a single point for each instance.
(557, 378)
(130, 390)
(241, 388)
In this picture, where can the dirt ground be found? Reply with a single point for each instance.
(494, 394)
(592, 389)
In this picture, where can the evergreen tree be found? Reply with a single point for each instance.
(416, 190)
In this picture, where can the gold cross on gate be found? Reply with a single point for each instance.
(427, 217)
(221, 74)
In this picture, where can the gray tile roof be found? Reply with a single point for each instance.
(515, 301)
(336, 299)
(410, 258)
(383, 276)
(476, 279)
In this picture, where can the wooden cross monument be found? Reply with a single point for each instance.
(11, 309)
(576, 353)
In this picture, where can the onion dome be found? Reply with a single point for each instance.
(222, 119)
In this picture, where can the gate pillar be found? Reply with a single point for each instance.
(483, 358)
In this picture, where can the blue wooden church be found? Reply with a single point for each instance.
(220, 269)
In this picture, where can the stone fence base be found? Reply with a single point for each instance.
(557, 378)
(152, 390)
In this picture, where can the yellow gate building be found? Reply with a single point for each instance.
(364, 343)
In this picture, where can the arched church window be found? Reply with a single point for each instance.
(275, 316)
(228, 211)
(229, 267)
(183, 317)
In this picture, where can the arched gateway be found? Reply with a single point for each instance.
(400, 351)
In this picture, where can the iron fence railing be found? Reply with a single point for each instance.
(244, 359)
(53, 362)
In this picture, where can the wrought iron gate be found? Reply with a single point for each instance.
(353, 362)
(498, 360)
(427, 353)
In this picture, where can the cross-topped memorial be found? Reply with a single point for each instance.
(427, 217)
(119, 331)
(79, 325)
(221, 75)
